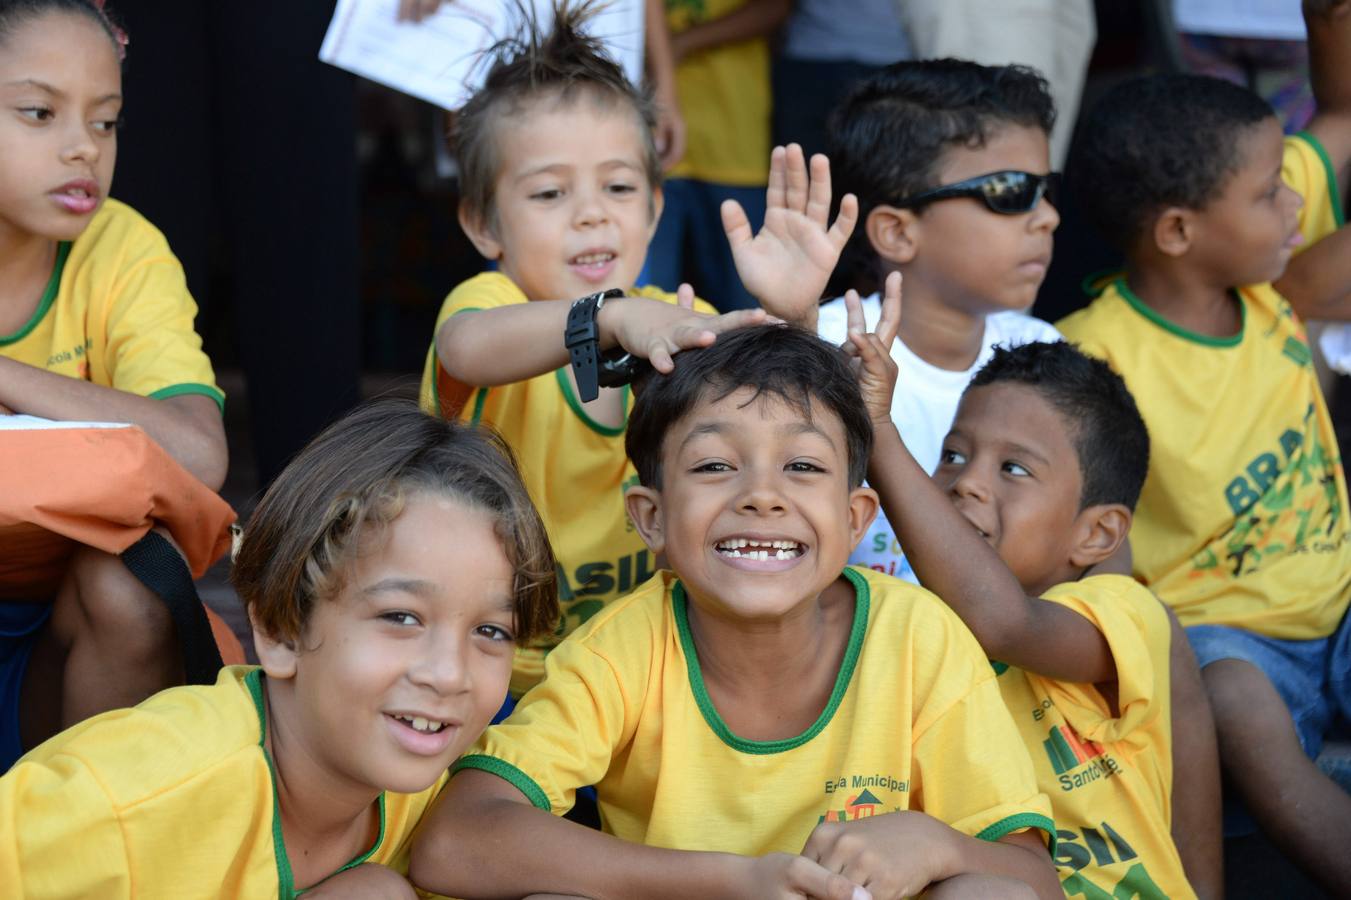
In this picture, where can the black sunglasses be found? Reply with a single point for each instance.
(1008, 192)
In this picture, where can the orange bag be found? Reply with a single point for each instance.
(69, 483)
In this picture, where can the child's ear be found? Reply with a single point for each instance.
(1099, 531)
(863, 505)
(644, 508)
(480, 234)
(658, 204)
(893, 233)
(276, 656)
(1174, 231)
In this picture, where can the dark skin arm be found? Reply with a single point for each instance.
(1317, 282)
(948, 555)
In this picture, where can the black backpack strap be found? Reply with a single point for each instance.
(157, 565)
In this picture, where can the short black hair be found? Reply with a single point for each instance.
(890, 136)
(1108, 434)
(1155, 142)
(781, 360)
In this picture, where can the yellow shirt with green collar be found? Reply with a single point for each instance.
(1243, 519)
(117, 312)
(1109, 773)
(575, 469)
(173, 798)
(725, 101)
(915, 721)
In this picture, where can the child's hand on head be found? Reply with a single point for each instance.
(656, 331)
(895, 854)
(787, 264)
(876, 369)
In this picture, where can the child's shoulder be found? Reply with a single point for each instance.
(485, 290)
(915, 621)
(118, 229)
(166, 743)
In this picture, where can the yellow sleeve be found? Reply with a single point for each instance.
(1307, 169)
(153, 346)
(1136, 628)
(971, 768)
(564, 731)
(439, 393)
(59, 833)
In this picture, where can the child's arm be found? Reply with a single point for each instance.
(1196, 827)
(507, 344)
(948, 555)
(786, 266)
(1318, 281)
(464, 848)
(899, 854)
(368, 881)
(188, 427)
(660, 59)
(756, 18)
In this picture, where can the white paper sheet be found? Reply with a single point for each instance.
(1277, 19)
(31, 423)
(440, 59)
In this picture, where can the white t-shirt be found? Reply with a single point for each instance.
(924, 406)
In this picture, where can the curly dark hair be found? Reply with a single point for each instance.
(1105, 426)
(1155, 142)
(780, 360)
(563, 64)
(890, 136)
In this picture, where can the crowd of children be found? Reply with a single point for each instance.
(1091, 577)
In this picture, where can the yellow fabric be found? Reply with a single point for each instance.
(1109, 776)
(575, 470)
(725, 100)
(1243, 517)
(916, 722)
(173, 798)
(119, 315)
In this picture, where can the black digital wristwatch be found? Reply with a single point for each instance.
(593, 369)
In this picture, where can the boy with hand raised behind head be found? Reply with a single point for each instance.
(757, 722)
(950, 161)
(1243, 526)
(562, 189)
(1016, 531)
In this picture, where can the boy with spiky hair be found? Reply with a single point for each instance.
(561, 190)
(1243, 526)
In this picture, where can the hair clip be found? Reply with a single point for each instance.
(119, 34)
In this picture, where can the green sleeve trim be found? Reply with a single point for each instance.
(180, 390)
(48, 297)
(576, 405)
(1013, 823)
(480, 397)
(1204, 340)
(1338, 215)
(508, 773)
(679, 606)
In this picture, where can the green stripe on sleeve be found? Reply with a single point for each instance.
(1338, 215)
(509, 773)
(180, 390)
(1009, 824)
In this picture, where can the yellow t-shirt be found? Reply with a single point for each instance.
(1109, 776)
(1243, 519)
(117, 313)
(725, 100)
(174, 798)
(574, 468)
(915, 722)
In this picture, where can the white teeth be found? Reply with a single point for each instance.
(426, 726)
(588, 259)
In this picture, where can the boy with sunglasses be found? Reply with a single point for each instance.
(950, 163)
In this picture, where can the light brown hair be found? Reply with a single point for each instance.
(357, 476)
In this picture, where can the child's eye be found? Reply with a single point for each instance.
(622, 188)
(712, 467)
(952, 458)
(108, 125)
(547, 194)
(803, 466)
(36, 113)
(1014, 468)
(495, 633)
(399, 617)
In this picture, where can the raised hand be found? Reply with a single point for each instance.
(786, 266)
(876, 369)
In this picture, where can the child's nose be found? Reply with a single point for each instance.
(441, 665)
(762, 495)
(590, 209)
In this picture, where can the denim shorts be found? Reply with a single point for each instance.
(19, 627)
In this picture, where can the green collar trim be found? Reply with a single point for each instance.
(999, 667)
(285, 878)
(1204, 340)
(576, 405)
(856, 634)
(1338, 215)
(48, 297)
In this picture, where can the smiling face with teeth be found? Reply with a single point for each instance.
(755, 512)
(573, 209)
(1010, 467)
(60, 96)
(393, 678)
